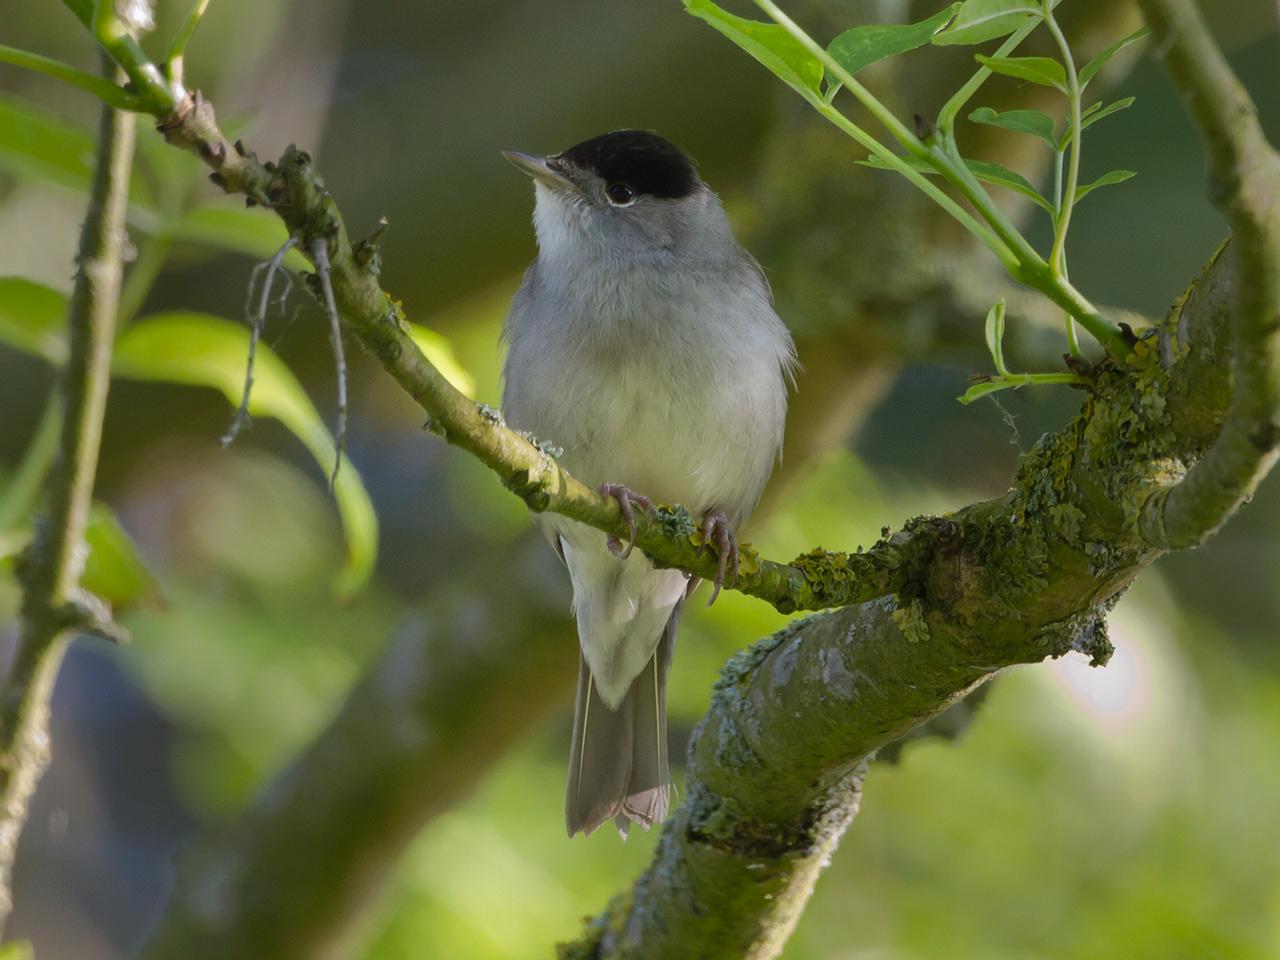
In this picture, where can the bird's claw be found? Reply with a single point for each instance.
(628, 500)
(718, 532)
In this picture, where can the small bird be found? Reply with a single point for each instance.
(643, 341)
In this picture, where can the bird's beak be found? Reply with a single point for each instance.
(541, 170)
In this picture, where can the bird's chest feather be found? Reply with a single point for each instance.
(658, 386)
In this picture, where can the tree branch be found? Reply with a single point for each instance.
(1245, 182)
(848, 322)
(776, 765)
(53, 607)
(297, 194)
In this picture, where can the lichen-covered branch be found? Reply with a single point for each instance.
(52, 605)
(1245, 181)
(775, 766)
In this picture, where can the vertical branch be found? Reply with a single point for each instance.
(50, 568)
(1244, 177)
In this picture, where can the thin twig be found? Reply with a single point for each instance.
(292, 188)
(320, 257)
(257, 320)
(50, 567)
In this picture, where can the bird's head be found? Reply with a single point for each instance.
(629, 194)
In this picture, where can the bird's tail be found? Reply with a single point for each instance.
(618, 765)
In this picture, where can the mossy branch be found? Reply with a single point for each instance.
(775, 767)
(53, 607)
(1244, 173)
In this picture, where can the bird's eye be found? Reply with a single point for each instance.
(619, 194)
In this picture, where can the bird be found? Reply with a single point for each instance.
(643, 343)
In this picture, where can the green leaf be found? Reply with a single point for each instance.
(1014, 381)
(257, 232)
(1090, 69)
(1092, 115)
(1106, 180)
(17, 950)
(769, 43)
(1042, 70)
(113, 568)
(992, 173)
(995, 336)
(203, 350)
(981, 20)
(999, 176)
(33, 318)
(1097, 114)
(986, 388)
(37, 145)
(862, 46)
(439, 351)
(1034, 122)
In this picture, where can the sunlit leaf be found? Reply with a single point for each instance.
(1090, 69)
(995, 336)
(113, 569)
(861, 46)
(769, 43)
(257, 233)
(33, 318)
(439, 351)
(978, 21)
(1034, 122)
(203, 350)
(1106, 180)
(38, 145)
(1042, 70)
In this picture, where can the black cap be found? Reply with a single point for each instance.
(643, 161)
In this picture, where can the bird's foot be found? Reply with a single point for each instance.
(718, 532)
(628, 500)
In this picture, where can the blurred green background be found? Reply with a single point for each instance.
(1127, 812)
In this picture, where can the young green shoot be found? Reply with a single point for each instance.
(986, 385)
(819, 73)
(1064, 201)
(178, 46)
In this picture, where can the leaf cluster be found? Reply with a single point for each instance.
(931, 152)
